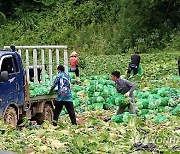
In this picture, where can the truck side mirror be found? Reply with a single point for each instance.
(4, 76)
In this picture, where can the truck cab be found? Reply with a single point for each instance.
(12, 93)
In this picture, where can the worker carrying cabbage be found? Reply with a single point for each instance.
(64, 97)
(124, 87)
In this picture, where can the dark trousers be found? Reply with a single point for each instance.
(76, 71)
(122, 108)
(70, 109)
(134, 69)
(179, 70)
(131, 108)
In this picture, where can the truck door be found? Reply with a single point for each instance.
(10, 90)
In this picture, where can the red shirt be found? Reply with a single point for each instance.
(73, 61)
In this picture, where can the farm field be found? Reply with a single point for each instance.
(155, 128)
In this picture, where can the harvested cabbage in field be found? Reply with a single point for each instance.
(161, 119)
(176, 110)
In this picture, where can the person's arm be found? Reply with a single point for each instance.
(130, 84)
(139, 59)
(131, 59)
(55, 83)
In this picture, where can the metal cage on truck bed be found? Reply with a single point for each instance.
(35, 56)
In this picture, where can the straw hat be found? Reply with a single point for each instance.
(74, 53)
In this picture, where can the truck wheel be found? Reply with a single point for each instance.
(10, 116)
(46, 115)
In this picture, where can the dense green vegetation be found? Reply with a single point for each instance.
(92, 27)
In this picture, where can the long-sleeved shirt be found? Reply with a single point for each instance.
(63, 82)
(73, 62)
(123, 86)
(135, 59)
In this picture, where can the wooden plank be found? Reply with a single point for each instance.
(50, 65)
(57, 58)
(43, 97)
(27, 65)
(35, 66)
(43, 66)
(19, 51)
(66, 60)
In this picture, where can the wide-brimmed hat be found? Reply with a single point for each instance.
(74, 53)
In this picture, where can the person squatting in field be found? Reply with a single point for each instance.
(74, 63)
(124, 87)
(134, 64)
(64, 97)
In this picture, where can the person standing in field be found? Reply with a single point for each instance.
(64, 97)
(134, 64)
(74, 63)
(124, 87)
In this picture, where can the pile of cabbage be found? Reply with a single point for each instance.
(98, 92)
(158, 101)
(40, 89)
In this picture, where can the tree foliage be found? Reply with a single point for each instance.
(92, 26)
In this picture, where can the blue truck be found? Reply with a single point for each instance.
(15, 102)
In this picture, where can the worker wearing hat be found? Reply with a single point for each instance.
(74, 63)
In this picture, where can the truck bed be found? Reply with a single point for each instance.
(43, 97)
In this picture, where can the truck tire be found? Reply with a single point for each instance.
(46, 115)
(10, 116)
